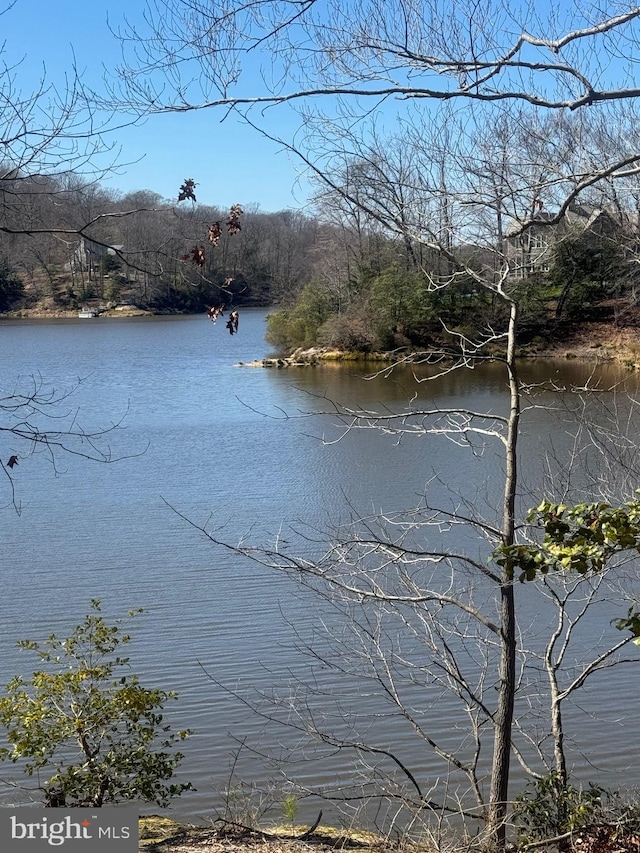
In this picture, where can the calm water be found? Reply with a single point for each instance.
(235, 449)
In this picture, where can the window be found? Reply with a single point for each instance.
(537, 241)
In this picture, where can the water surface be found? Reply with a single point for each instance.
(240, 450)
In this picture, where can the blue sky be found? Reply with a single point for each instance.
(230, 162)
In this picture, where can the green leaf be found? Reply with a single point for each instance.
(97, 732)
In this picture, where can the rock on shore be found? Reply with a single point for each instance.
(594, 342)
(313, 356)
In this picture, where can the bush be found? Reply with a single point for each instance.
(550, 807)
(351, 332)
(97, 732)
(585, 269)
(298, 326)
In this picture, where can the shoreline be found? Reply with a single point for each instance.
(588, 341)
(622, 349)
(108, 313)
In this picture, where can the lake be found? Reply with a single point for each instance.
(243, 452)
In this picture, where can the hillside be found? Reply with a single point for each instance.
(115, 294)
(610, 333)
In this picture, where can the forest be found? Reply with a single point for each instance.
(138, 248)
(334, 276)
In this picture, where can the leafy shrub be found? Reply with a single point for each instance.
(298, 326)
(290, 807)
(98, 733)
(550, 807)
(402, 304)
(585, 269)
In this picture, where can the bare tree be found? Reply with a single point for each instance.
(565, 57)
(494, 137)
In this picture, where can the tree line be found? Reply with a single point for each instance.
(563, 263)
(137, 247)
(334, 275)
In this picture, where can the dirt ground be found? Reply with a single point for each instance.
(598, 342)
(160, 835)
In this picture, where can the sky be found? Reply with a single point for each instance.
(230, 162)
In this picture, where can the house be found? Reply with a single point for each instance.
(530, 251)
(87, 255)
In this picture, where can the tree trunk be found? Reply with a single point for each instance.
(499, 795)
(557, 730)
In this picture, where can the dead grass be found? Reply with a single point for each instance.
(161, 835)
